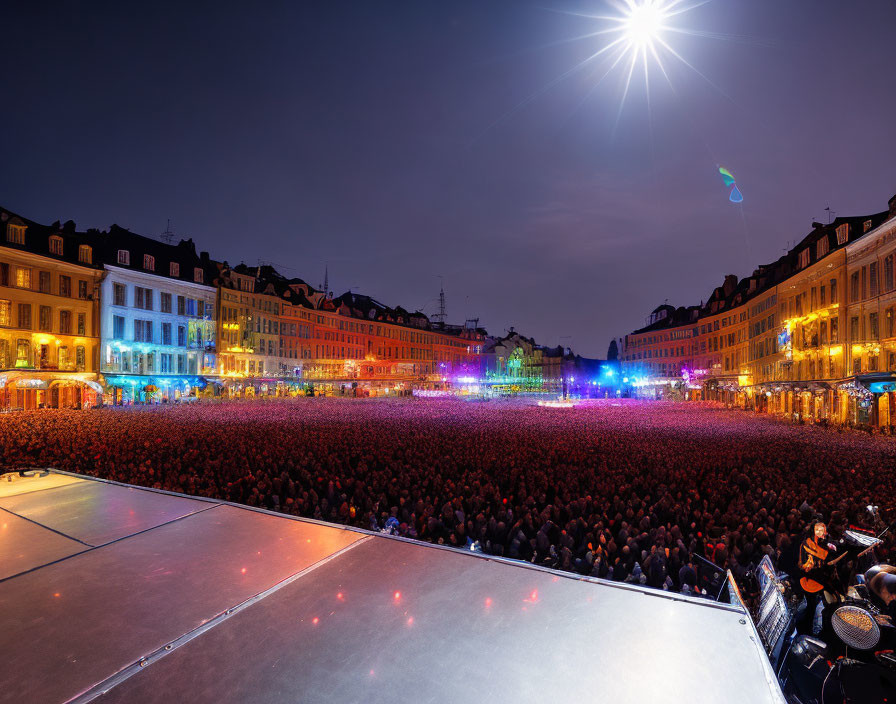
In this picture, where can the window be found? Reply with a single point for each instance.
(142, 298)
(15, 233)
(821, 248)
(85, 254)
(872, 363)
(166, 333)
(80, 358)
(854, 329)
(854, 286)
(44, 321)
(181, 336)
(117, 327)
(181, 305)
(804, 259)
(23, 277)
(150, 362)
(165, 363)
(4, 274)
(119, 294)
(873, 327)
(56, 245)
(143, 331)
(82, 324)
(174, 269)
(866, 226)
(65, 286)
(43, 281)
(833, 291)
(82, 289)
(191, 306)
(197, 275)
(821, 292)
(888, 273)
(181, 364)
(872, 278)
(62, 357)
(124, 257)
(835, 331)
(25, 316)
(5, 313)
(65, 322)
(165, 302)
(149, 262)
(843, 233)
(889, 315)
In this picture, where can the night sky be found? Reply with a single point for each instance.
(400, 141)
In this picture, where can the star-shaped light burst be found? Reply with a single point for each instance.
(640, 29)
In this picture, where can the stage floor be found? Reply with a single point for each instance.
(121, 594)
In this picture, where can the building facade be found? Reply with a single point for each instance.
(49, 328)
(808, 337)
(158, 319)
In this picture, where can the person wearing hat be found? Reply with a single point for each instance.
(814, 552)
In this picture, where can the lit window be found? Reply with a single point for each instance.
(843, 233)
(56, 245)
(15, 233)
(175, 269)
(23, 277)
(85, 254)
(5, 313)
(804, 259)
(822, 248)
(197, 275)
(124, 257)
(149, 262)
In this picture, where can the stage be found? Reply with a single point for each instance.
(121, 594)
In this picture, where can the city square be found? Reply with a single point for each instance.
(468, 350)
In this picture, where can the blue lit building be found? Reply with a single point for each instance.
(157, 319)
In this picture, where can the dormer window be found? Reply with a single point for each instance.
(124, 257)
(866, 226)
(149, 262)
(174, 269)
(804, 258)
(843, 233)
(197, 275)
(821, 248)
(56, 245)
(15, 233)
(85, 254)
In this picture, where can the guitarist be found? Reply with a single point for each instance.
(814, 552)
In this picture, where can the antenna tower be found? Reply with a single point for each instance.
(168, 235)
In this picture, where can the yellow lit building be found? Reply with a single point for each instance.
(49, 337)
(810, 337)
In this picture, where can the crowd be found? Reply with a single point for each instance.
(620, 489)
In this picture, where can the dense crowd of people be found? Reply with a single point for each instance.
(620, 489)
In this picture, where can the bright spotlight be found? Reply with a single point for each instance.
(643, 24)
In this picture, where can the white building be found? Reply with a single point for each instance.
(157, 319)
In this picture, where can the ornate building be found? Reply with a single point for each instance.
(49, 323)
(811, 336)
